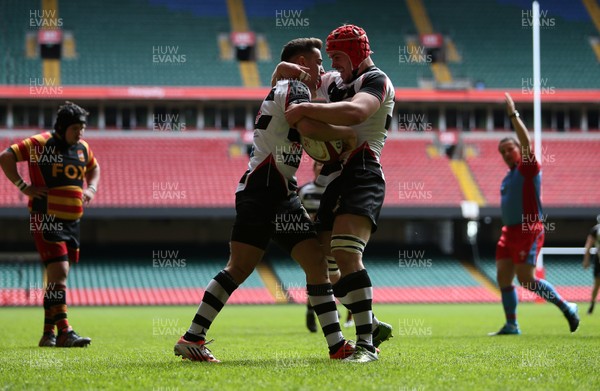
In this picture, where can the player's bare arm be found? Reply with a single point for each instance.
(9, 166)
(92, 178)
(520, 129)
(589, 242)
(362, 106)
(289, 70)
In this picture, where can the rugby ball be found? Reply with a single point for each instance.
(322, 151)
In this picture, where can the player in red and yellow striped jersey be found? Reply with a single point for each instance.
(59, 164)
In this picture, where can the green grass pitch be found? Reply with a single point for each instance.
(436, 347)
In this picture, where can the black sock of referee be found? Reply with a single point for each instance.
(215, 296)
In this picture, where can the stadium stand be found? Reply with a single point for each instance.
(565, 272)
(137, 280)
(152, 171)
(101, 280)
(566, 55)
(415, 179)
(155, 179)
(568, 60)
(105, 281)
(159, 172)
(16, 69)
(109, 59)
(566, 166)
(376, 24)
(570, 52)
(437, 280)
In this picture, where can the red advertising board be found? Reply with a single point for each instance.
(50, 37)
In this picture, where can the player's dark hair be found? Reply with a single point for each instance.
(67, 115)
(505, 139)
(300, 46)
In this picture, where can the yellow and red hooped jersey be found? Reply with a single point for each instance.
(59, 167)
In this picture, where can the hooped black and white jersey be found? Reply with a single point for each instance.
(276, 150)
(310, 196)
(372, 132)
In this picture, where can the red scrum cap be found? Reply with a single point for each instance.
(351, 40)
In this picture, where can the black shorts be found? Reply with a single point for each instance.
(356, 191)
(262, 215)
(596, 261)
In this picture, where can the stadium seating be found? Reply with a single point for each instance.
(153, 172)
(159, 172)
(567, 64)
(566, 165)
(16, 69)
(111, 58)
(435, 280)
(180, 172)
(414, 179)
(105, 281)
(134, 280)
(567, 59)
(564, 272)
(385, 41)
(192, 29)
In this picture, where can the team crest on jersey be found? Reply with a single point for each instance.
(80, 155)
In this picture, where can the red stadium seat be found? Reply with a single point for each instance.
(414, 179)
(566, 172)
(199, 172)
